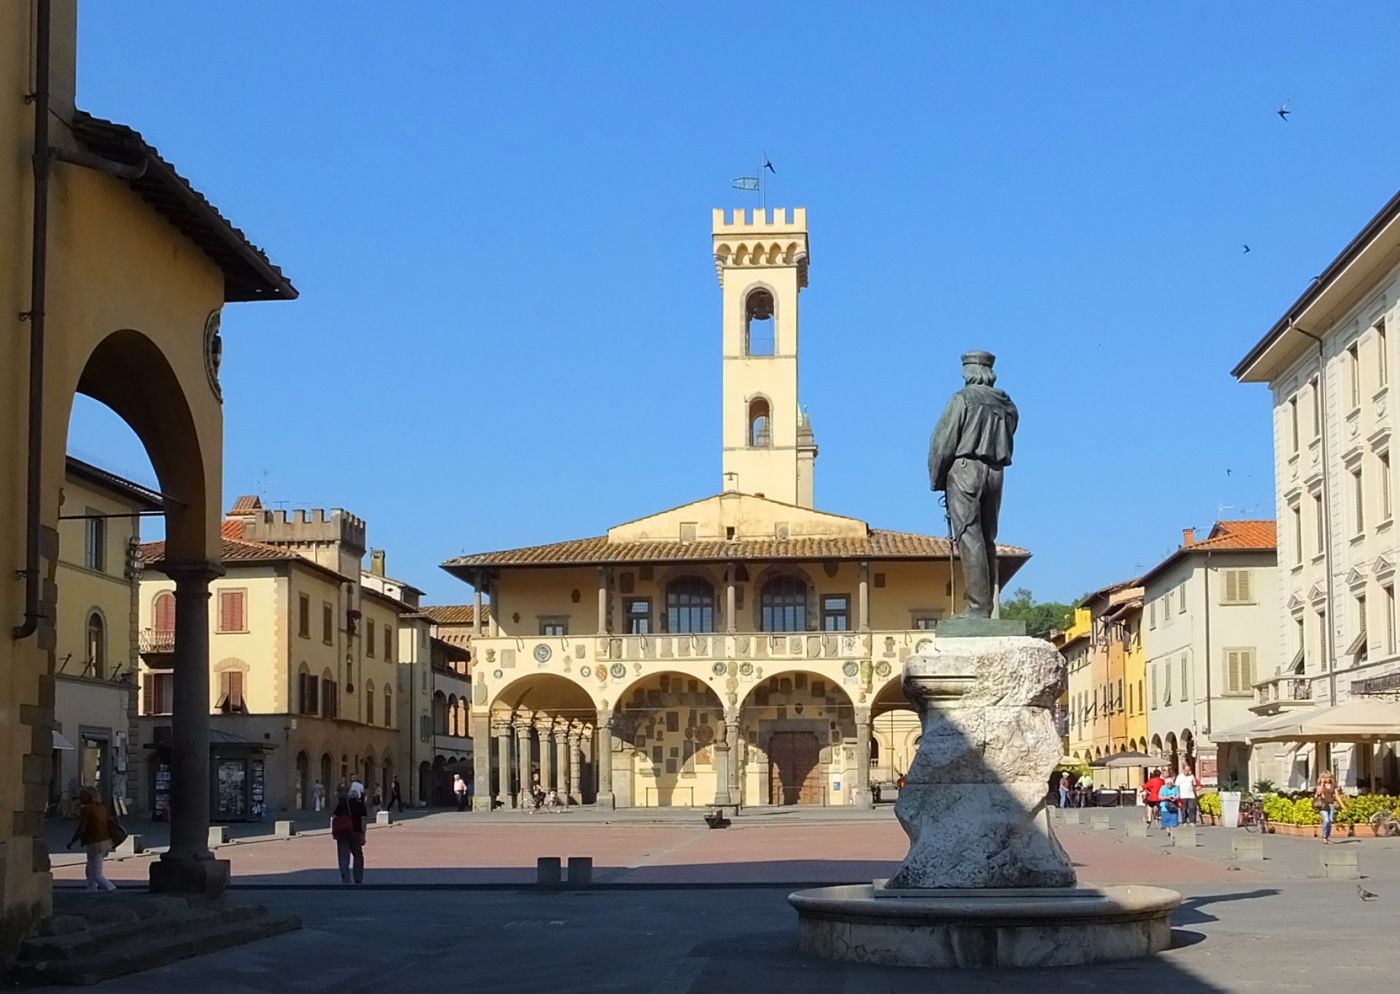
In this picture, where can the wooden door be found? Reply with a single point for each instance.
(794, 770)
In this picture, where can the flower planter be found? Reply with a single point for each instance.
(1230, 808)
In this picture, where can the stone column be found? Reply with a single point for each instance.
(605, 798)
(723, 752)
(544, 725)
(576, 763)
(603, 625)
(561, 758)
(481, 762)
(863, 599)
(860, 792)
(736, 756)
(730, 621)
(500, 728)
(523, 730)
(189, 866)
(476, 613)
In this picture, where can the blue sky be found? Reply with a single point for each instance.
(508, 330)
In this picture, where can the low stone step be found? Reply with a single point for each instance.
(90, 941)
(147, 953)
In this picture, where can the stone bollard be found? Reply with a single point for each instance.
(132, 845)
(1100, 821)
(284, 829)
(580, 871)
(1184, 836)
(1340, 864)
(385, 817)
(1072, 816)
(1135, 828)
(218, 836)
(1248, 848)
(547, 871)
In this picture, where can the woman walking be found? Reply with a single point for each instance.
(1326, 799)
(94, 831)
(348, 829)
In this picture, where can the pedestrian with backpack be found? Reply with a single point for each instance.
(348, 823)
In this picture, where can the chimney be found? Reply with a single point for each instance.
(376, 561)
(1188, 537)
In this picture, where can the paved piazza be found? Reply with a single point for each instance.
(440, 909)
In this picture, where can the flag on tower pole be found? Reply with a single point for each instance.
(749, 183)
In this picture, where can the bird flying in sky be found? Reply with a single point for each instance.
(1245, 246)
(1283, 111)
(769, 166)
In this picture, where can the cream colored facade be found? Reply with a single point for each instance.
(738, 649)
(118, 270)
(305, 662)
(1209, 633)
(96, 627)
(1335, 621)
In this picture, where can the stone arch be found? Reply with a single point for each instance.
(798, 736)
(895, 726)
(667, 723)
(1188, 748)
(758, 317)
(439, 708)
(675, 575)
(95, 642)
(369, 704)
(758, 421)
(301, 785)
(328, 774)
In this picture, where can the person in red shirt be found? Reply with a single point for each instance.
(1151, 795)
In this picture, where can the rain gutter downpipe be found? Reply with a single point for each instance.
(35, 316)
(1330, 661)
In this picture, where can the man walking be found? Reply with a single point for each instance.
(395, 797)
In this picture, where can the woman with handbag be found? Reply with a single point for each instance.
(94, 831)
(348, 829)
(1326, 799)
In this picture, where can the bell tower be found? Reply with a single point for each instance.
(761, 262)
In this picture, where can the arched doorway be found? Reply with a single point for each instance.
(799, 741)
(425, 780)
(667, 725)
(894, 733)
(301, 790)
(541, 725)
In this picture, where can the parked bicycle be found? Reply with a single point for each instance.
(1385, 823)
(1252, 816)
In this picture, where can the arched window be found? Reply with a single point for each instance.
(760, 424)
(758, 323)
(783, 605)
(369, 702)
(690, 605)
(96, 646)
(163, 616)
(439, 713)
(388, 707)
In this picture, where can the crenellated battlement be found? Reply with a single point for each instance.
(745, 222)
(761, 238)
(303, 525)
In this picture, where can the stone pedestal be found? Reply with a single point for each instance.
(973, 800)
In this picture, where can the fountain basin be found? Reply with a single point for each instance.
(1008, 927)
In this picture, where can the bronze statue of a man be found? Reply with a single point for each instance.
(967, 452)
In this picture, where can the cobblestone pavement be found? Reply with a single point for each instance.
(1272, 926)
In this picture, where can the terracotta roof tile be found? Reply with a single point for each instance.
(455, 614)
(876, 544)
(234, 548)
(245, 505)
(1239, 535)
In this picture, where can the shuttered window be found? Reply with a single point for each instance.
(388, 644)
(1389, 603)
(1239, 587)
(369, 637)
(1382, 359)
(304, 616)
(1185, 693)
(157, 692)
(1354, 377)
(1167, 684)
(233, 611)
(327, 622)
(1320, 524)
(231, 692)
(329, 707)
(1384, 459)
(1358, 492)
(1239, 671)
(163, 612)
(1358, 647)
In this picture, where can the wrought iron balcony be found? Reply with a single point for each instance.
(156, 641)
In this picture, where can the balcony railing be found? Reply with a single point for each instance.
(156, 642)
(1282, 692)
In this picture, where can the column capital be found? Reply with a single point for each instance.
(522, 720)
(862, 716)
(198, 572)
(500, 726)
(544, 724)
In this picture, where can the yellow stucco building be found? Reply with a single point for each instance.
(113, 278)
(737, 649)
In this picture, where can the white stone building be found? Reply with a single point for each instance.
(1327, 361)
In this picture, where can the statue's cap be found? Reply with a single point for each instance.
(977, 357)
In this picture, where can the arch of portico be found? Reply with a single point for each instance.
(541, 728)
(801, 742)
(672, 747)
(894, 725)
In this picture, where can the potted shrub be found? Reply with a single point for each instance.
(1229, 796)
(1209, 805)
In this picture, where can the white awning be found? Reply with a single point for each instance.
(59, 742)
(1247, 731)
